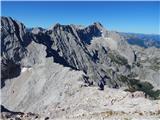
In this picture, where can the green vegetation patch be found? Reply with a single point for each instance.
(155, 67)
(118, 59)
(137, 85)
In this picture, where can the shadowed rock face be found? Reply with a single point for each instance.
(100, 54)
(49, 69)
(9, 71)
(89, 32)
(17, 49)
(14, 39)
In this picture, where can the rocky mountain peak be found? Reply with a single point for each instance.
(88, 33)
(57, 25)
(98, 25)
(45, 71)
(70, 47)
(10, 25)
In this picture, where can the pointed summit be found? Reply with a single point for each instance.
(100, 27)
(98, 24)
(56, 25)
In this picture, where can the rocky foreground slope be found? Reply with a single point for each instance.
(55, 72)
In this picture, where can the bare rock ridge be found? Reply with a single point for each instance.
(17, 48)
(101, 54)
(12, 47)
(44, 71)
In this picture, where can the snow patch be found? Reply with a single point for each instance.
(24, 69)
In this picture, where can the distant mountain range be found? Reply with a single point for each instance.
(143, 40)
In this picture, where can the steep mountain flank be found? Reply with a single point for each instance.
(56, 72)
(101, 54)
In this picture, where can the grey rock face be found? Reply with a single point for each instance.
(99, 53)
(148, 61)
(50, 69)
(17, 49)
(89, 32)
(13, 43)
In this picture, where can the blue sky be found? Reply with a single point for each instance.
(138, 17)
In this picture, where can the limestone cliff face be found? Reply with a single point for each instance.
(17, 49)
(101, 54)
(77, 48)
(13, 43)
